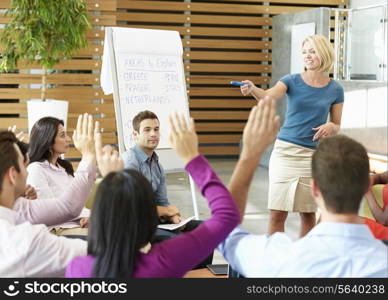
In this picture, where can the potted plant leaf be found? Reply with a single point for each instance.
(43, 32)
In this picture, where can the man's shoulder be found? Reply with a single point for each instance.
(18, 239)
(130, 159)
(23, 234)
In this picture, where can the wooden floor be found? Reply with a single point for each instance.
(202, 273)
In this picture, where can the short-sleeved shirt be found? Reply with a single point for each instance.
(135, 158)
(307, 107)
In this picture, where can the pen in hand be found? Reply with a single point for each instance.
(237, 83)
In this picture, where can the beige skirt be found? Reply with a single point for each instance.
(289, 178)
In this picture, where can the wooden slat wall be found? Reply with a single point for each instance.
(223, 41)
(341, 24)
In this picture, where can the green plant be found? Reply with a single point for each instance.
(43, 31)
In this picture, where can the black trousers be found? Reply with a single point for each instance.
(162, 235)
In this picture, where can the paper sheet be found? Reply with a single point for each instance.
(175, 226)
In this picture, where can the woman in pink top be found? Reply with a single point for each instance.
(48, 173)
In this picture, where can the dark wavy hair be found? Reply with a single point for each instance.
(42, 137)
(123, 220)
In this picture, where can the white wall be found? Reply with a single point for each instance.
(362, 3)
(364, 115)
(365, 110)
(367, 42)
(367, 39)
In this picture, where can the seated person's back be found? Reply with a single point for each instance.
(339, 246)
(328, 250)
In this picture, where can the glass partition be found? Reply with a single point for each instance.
(361, 44)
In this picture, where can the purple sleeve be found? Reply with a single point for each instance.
(174, 257)
(80, 267)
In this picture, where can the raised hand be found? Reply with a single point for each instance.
(261, 128)
(20, 136)
(108, 159)
(83, 137)
(259, 132)
(183, 138)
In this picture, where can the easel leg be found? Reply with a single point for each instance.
(193, 197)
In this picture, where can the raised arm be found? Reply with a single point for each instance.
(276, 92)
(55, 210)
(259, 132)
(69, 205)
(83, 138)
(178, 255)
(108, 159)
(20, 136)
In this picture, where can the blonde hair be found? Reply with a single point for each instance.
(324, 51)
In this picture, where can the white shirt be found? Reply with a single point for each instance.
(31, 251)
(51, 182)
(328, 250)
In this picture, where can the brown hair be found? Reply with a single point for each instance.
(143, 115)
(340, 168)
(8, 154)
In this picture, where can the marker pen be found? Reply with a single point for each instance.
(237, 83)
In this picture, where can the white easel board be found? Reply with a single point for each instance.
(146, 74)
(144, 70)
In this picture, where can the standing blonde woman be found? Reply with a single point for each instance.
(311, 96)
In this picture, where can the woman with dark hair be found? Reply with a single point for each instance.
(129, 201)
(124, 220)
(51, 175)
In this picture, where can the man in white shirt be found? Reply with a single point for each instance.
(30, 250)
(340, 245)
